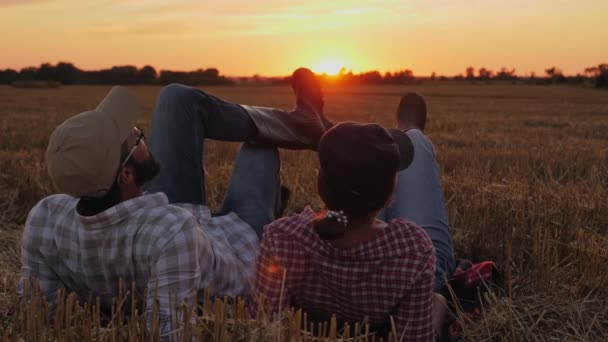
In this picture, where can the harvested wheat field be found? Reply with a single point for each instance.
(525, 175)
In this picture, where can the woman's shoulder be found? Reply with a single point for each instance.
(409, 237)
(296, 224)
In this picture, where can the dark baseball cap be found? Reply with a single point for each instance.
(364, 150)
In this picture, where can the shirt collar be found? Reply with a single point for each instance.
(123, 210)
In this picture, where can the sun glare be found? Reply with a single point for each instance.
(329, 66)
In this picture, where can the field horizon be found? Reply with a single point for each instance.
(524, 170)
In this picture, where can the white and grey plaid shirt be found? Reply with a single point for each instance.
(146, 241)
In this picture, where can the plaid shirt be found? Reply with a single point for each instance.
(390, 275)
(145, 241)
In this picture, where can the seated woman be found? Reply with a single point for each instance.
(343, 260)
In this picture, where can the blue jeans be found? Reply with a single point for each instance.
(419, 198)
(184, 117)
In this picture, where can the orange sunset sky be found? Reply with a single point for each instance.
(272, 37)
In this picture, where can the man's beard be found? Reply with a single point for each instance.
(146, 170)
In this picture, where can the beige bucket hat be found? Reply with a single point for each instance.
(83, 154)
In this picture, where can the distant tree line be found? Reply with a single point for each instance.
(372, 77)
(67, 73)
(343, 77)
(597, 75)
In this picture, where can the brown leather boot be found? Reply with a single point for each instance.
(303, 126)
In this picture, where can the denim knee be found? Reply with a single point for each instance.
(175, 93)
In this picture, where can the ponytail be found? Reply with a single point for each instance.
(356, 200)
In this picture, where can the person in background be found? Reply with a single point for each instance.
(419, 197)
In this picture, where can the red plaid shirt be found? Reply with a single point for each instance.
(390, 275)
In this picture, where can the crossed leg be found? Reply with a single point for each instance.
(184, 117)
(419, 198)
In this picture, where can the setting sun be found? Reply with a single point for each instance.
(329, 66)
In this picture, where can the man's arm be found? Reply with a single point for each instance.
(230, 248)
(413, 319)
(191, 261)
(34, 268)
(227, 275)
(175, 277)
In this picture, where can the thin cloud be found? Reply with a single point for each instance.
(16, 3)
(280, 19)
(142, 27)
(273, 7)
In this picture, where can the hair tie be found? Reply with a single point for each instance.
(338, 216)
